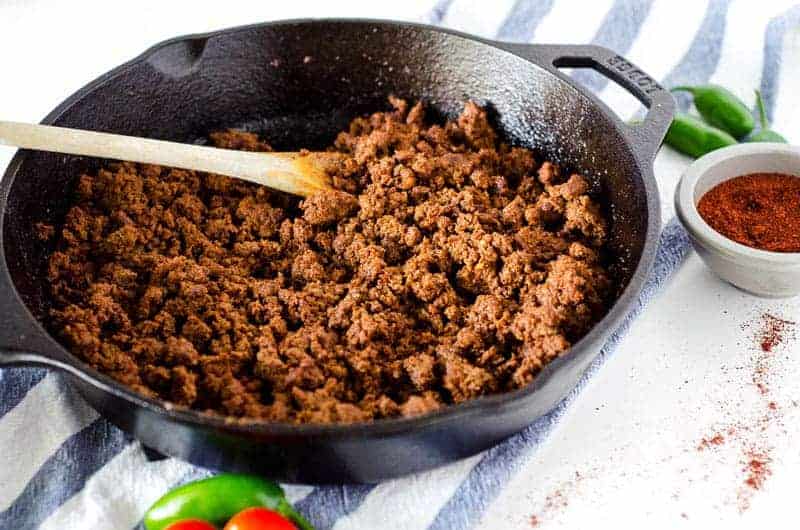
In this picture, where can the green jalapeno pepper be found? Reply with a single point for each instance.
(721, 108)
(694, 137)
(765, 134)
(219, 498)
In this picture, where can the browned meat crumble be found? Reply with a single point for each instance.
(446, 266)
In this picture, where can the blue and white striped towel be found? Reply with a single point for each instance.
(61, 466)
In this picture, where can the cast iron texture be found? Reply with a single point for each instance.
(299, 82)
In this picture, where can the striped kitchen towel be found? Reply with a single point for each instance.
(63, 467)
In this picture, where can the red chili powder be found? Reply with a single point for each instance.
(773, 331)
(750, 436)
(705, 443)
(557, 500)
(757, 469)
(761, 210)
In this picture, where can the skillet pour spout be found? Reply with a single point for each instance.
(259, 78)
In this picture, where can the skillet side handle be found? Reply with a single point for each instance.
(24, 359)
(647, 136)
(22, 341)
(11, 358)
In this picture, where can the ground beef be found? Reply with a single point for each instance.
(44, 231)
(445, 266)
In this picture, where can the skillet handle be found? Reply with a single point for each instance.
(26, 359)
(645, 137)
(10, 358)
(22, 341)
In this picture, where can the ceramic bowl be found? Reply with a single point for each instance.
(770, 274)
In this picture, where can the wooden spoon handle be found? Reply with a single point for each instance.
(289, 172)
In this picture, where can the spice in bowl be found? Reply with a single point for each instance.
(760, 210)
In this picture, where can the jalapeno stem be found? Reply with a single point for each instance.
(762, 111)
(765, 134)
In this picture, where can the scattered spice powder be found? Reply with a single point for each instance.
(705, 443)
(751, 435)
(757, 469)
(761, 210)
(774, 331)
(557, 500)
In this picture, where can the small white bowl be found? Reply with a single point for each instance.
(771, 274)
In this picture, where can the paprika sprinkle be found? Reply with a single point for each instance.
(761, 210)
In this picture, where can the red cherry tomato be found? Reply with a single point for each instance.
(191, 524)
(259, 519)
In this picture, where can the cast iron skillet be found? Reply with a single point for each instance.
(299, 82)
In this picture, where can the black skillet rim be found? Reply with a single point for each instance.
(382, 427)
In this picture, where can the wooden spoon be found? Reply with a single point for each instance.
(295, 173)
